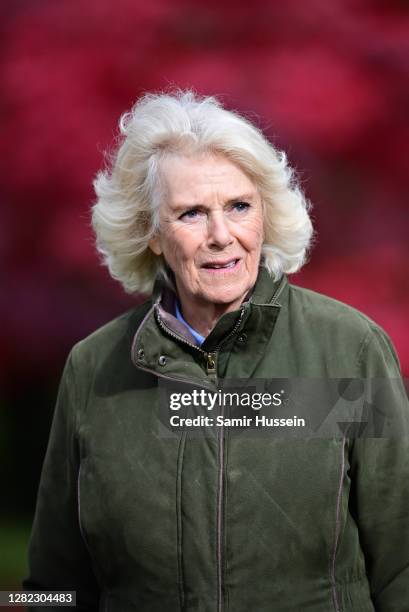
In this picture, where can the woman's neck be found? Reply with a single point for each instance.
(204, 317)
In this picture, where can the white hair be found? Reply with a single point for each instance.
(125, 215)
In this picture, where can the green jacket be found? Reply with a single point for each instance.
(135, 520)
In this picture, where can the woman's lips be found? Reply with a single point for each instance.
(229, 265)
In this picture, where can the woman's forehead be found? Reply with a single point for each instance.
(191, 180)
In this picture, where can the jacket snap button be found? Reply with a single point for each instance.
(141, 354)
(162, 360)
(242, 338)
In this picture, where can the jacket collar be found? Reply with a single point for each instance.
(265, 293)
(160, 334)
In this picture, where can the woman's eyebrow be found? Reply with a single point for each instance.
(180, 206)
(242, 198)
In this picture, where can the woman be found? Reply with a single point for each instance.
(134, 520)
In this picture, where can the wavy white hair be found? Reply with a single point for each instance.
(126, 213)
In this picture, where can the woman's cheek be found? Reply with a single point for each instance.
(252, 234)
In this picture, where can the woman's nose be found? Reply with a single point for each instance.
(218, 231)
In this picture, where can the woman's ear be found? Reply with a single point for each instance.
(154, 245)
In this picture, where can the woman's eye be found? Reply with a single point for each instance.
(190, 214)
(241, 206)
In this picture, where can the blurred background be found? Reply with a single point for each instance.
(326, 80)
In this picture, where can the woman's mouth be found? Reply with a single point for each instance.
(223, 266)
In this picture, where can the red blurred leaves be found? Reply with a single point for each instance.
(327, 79)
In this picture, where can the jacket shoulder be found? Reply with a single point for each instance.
(344, 331)
(324, 310)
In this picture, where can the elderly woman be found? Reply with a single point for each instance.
(201, 211)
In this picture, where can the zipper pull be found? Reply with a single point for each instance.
(211, 363)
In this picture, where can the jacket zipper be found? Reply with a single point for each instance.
(211, 368)
(221, 470)
(220, 492)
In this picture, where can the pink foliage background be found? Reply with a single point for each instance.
(327, 81)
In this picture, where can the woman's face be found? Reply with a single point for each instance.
(211, 229)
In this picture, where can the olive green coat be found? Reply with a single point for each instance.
(137, 521)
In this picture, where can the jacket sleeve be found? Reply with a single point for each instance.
(380, 480)
(58, 556)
